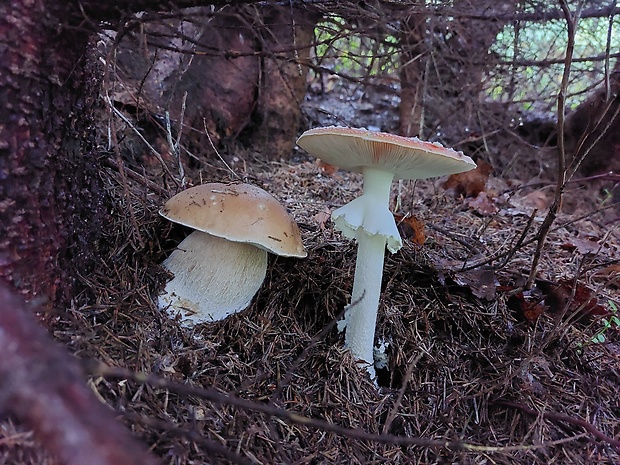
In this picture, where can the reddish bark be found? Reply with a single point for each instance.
(413, 63)
(43, 386)
(51, 202)
(243, 74)
(51, 206)
(48, 188)
(209, 88)
(285, 40)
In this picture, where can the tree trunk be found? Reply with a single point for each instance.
(593, 130)
(49, 188)
(52, 206)
(245, 76)
(447, 91)
(43, 386)
(286, 39)
(51, 198)
(413, 60)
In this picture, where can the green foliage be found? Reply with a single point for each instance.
(343, 49)
(529, 57)
(532, 54)
(613, 322)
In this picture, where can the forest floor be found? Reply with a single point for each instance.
(479, 371)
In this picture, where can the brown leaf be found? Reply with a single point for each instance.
(482, 283)
(611, 274)
(326, 168)
(322, 217)
(559, 296)
(527, 305)
(471, 183)
(483, 204)
(539, 199)
(583, 246)
(411, 228)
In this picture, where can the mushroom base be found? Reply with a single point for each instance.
(213, 278)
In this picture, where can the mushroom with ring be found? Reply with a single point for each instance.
(380, 157)
(219, 267)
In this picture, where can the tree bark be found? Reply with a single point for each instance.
(242, 74)
(49, 190)
(448, 90)
(286, 37)
(51, 208)
(51, 200)
(413, 60)
(593, 130)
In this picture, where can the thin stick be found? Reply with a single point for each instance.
(110, 163)
(401, 393)
(126, 194)
(204, 122)
(304, 353)
(193, 435)
(571, 24)
(175, 146)
(556, 417)
(139, 134)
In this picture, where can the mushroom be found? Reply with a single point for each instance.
(380, 157)
(219, 267)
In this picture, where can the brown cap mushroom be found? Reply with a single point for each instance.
(380, 157)
(239, 213)
(219, 267)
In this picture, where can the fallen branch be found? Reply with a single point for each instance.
(560, 417)
(97, 368)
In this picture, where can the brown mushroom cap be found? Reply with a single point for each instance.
(239, 213)
(406, 157)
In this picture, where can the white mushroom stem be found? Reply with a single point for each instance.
(213, 277)
(362, 316)
(368, 220)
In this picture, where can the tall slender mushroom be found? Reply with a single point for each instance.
(219, 267)
(380, 157)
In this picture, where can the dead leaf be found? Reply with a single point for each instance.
(611, 274)
(559, 296)
(322, 217)
(583, 246)
(411, 228)
(471, 183)
(483, 204)
(482, 283)
(326, 168)
(538, 199)
(527, 304)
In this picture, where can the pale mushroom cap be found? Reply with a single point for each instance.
(239, 213)
(406, 157)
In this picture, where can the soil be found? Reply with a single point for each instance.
(480, 370)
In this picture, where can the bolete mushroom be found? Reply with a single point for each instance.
(380, 157)
(219, 267)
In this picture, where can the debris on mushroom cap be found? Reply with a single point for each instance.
(407, 157)
(237, 212)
